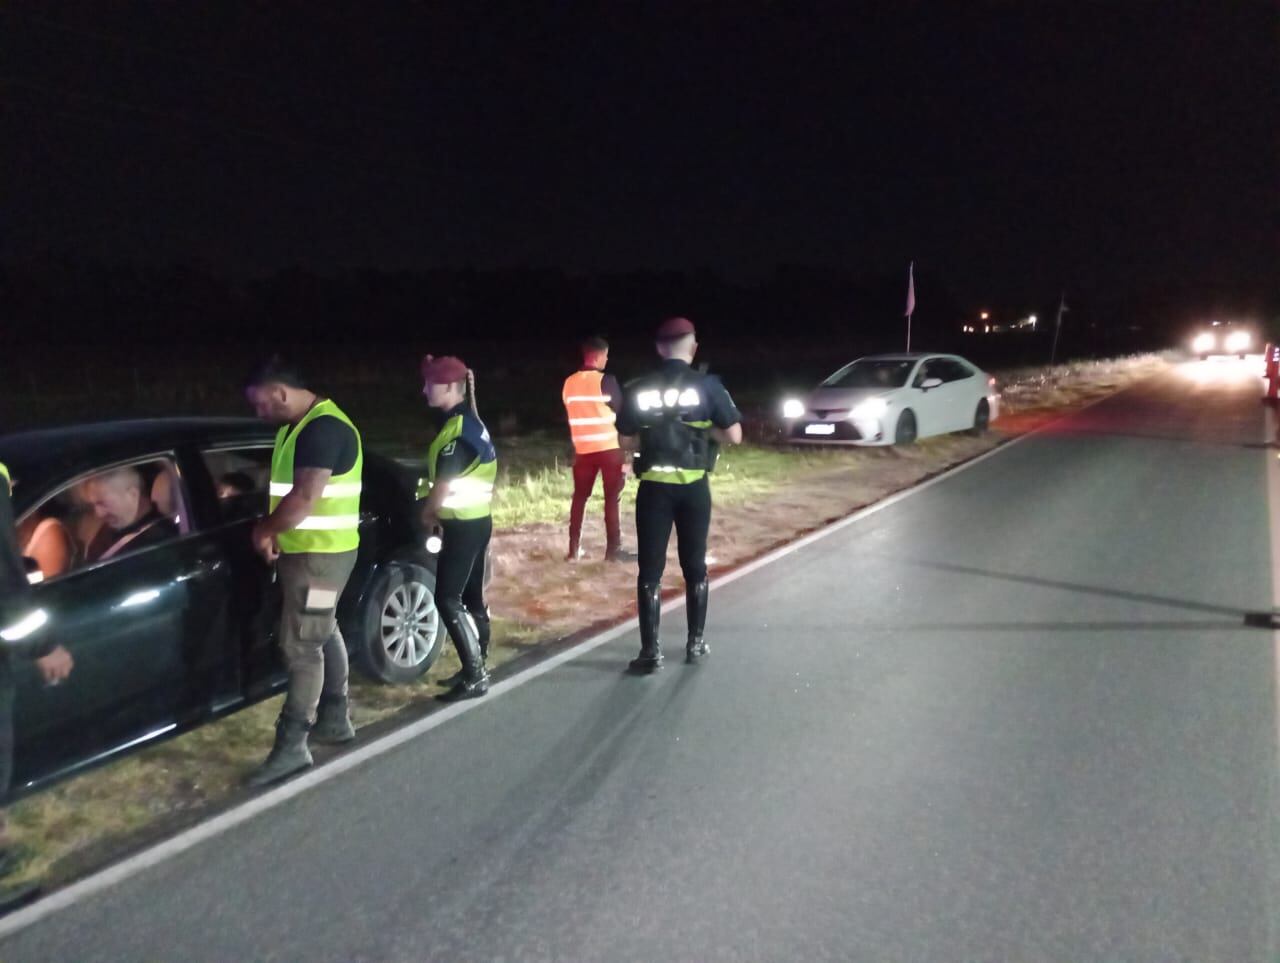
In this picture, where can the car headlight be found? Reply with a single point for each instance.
(1203, 342)
(1238, 341)
(791, 408)
(871, 408)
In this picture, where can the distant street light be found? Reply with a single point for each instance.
(984, 315)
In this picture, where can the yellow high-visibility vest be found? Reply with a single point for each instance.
(334, 523)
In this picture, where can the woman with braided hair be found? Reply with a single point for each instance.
(456, 501)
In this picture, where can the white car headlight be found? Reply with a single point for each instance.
(791, 408)
(871, 408)
(1202, 343)
(1238, 341)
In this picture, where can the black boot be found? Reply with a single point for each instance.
(483, 631)
(695, 604)
(333, 721)
(649, 601)
(289, 754)
(474, 681)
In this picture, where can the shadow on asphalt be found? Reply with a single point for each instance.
(1240, 615)
(1206, 626)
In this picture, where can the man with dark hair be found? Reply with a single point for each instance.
(52, 660)
(312, 535)
(591, 401)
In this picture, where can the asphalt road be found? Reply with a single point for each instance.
(1016, 716)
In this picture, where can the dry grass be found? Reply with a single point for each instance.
(764, 497)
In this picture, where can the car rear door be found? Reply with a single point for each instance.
(240, 477)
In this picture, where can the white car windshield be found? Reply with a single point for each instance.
(872, 373)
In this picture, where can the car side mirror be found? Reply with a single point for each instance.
(930, 383)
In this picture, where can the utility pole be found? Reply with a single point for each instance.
(1057, 327)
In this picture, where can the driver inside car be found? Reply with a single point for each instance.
(121, 498)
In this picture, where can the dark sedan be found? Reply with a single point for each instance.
(173, 633)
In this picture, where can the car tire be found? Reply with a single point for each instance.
(981, 419)
(401, 598)
(905, 432)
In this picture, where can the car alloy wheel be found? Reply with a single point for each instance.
(410, 622)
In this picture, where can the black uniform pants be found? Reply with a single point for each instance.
(659, 505)
(460, 569)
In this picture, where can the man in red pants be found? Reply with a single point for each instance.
(591, 400)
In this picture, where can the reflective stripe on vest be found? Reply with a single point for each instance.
(591, 419)
(334, 522)
(470, 494)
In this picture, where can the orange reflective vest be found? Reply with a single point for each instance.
(590, 417)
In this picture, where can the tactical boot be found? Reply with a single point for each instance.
(649, 602)
(695, 603)
(289, 754)
(474, 681)
(333, 721)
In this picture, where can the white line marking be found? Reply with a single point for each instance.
(169, 848)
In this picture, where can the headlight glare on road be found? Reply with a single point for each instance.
(1238, 341)
(1202, 343)
(793, 408)
(866, 410)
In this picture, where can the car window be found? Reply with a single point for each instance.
(105, 515)
(953, 370)
(241, 477)
(871, 373)
(927, 370)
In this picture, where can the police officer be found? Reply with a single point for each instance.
(676, 417)
(457, 500)
(53, 662)
(311, 535)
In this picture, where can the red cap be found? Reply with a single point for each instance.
(443, 371)
(673, 328)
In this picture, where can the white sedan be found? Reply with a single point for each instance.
(893, 399)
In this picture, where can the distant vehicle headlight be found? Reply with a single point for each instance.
(792, 408)
(1203, 342)
(1238, 341)
(871, 408)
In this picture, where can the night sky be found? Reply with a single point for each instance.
(1010, 148)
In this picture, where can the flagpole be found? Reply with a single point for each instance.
(911, 299)
(1057, 328)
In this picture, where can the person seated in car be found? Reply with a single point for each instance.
(121, 498)
(234, 484)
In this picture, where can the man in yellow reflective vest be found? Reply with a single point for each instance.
(591, 401)
(311, 535)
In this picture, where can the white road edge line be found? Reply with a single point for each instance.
(187, 839)
(1270, 424)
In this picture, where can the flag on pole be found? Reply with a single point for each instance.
(911, 289)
